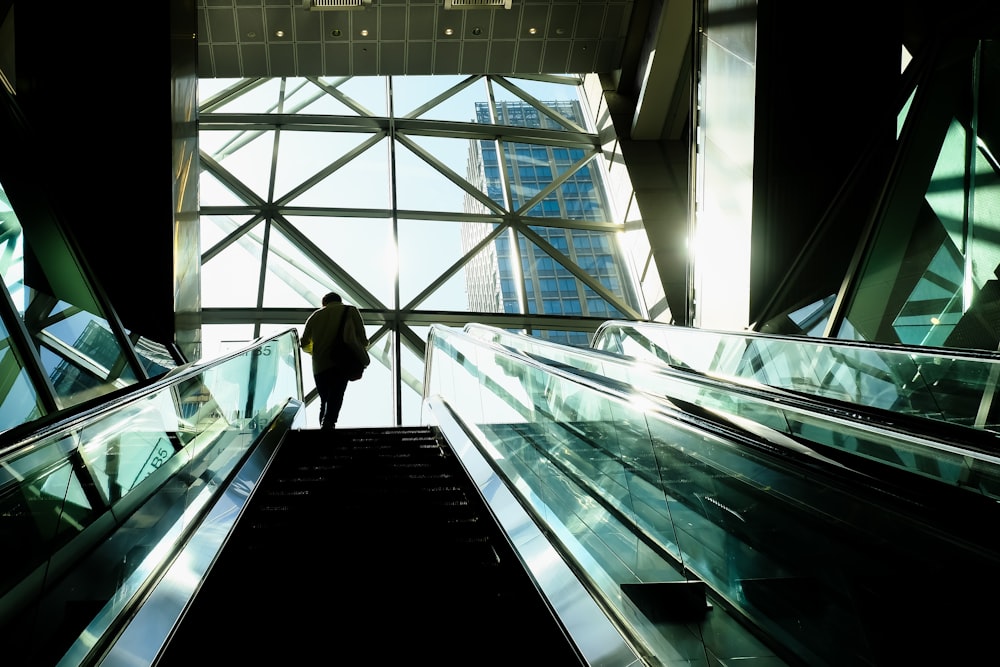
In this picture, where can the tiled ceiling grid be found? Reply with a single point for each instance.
(267, 38)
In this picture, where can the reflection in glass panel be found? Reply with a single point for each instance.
(11, 252)
(941, 263)
(79, 352)
(119, 459)
(19, 400)
(155, 358)
(220, 339)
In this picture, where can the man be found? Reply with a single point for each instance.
(323, 339)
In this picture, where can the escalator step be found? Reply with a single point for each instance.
(374, 543)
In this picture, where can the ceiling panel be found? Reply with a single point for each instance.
(263, 38)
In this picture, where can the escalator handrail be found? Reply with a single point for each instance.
(24, 436)
(922, 431)
(900, 349)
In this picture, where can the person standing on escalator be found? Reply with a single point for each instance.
(334, 336)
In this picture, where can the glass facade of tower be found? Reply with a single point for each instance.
(550, 182)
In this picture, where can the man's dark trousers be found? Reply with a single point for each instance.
(331, 386)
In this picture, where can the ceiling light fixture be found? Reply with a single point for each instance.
(334, 5)
(477, 4)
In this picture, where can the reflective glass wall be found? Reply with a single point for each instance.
(407, 196)
(59, 347)
(927, 272)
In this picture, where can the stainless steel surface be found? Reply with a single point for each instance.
(147, 632)
(594, 634)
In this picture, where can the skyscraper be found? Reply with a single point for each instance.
(562, 271)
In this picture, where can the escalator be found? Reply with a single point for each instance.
(371, 545)
(549, 510)
(824, 552)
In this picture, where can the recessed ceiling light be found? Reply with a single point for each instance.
(279, 33)
(335, 32)
(449, 31)
(364, 32)
(532, 31)
(477, 31)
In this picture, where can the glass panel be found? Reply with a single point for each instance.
(413, 385)
(11, 251)
(78, 348)
(362, 247)
(365, 94)
(531, 167)
(638, 499)
(362, 182)
(304, 97)
(232, 277)
(973, 471)
(930, 277)
(19, 400)
(156, 359)
(560, 107)
(244, 154)
(220, 339)
(215, 228)
(412, 93)
(422, 187)
(442, 240)
(485, 288)
(938, 384)
(261, 97)
(212, 192)
(79, 352)
(95, 507)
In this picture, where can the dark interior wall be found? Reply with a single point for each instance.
(827, 82)
(94, 85)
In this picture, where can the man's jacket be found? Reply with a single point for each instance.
(319, 338)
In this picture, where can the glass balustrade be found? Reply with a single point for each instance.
(947, 385)
(811, 555)
(969, 460)
(96, 505)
